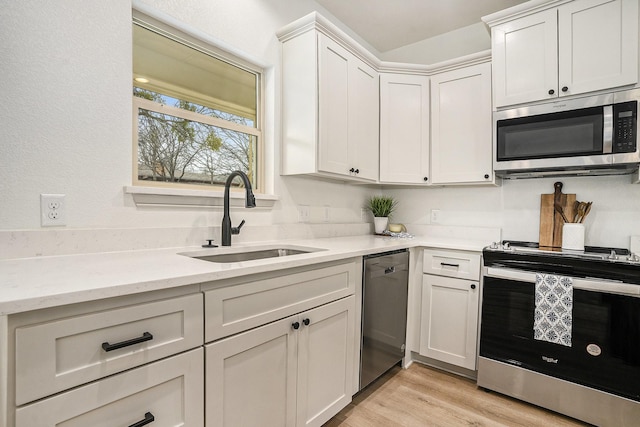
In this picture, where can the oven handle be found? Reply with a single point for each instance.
(600, 285)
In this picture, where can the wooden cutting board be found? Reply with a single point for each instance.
(550, 220)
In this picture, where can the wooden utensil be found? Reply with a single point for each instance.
(551, 219)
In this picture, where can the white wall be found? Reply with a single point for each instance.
(515, 207)
(66, 121)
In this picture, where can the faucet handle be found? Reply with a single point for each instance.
(236, 230)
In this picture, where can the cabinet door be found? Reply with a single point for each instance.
(250, 377)
(333, 102)
(449, 323)
(404, 128)
(598, 45)
(364, 116)
(525, 59)
(325, 361)
(461, 126)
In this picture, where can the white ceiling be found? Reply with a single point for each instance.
(389, 24)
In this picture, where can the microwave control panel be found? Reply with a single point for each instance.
(625, 127)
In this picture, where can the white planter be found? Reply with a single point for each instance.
(380, 223)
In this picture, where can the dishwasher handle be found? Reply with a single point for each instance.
(390, 270)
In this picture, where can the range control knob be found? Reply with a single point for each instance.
(613, 256)
(494, 245)
(633, 257)
(506, 246)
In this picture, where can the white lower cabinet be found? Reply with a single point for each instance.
(164, 393)
(449, 313)
(296, 371)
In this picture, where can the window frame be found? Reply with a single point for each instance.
(209, 48)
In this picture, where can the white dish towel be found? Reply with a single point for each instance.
(554, 305)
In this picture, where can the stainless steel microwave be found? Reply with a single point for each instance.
(596, 135)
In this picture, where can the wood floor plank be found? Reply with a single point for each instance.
(426, 397)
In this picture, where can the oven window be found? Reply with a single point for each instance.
(566, 134)
(605, 351)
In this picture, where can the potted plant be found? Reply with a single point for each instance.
(381, 207)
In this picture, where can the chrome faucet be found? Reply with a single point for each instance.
(250, 202)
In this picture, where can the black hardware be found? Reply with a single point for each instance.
(486, 176)
(389, 270)
(473, 286)
(295, 325)
(110, 347)
(352, 170)
(551, 91)
(357, 171)
(564, 88)
(148, 419)
(306, 322)
(250, 202)
(209, 244)
(446, 264)
(236, 230)
(425, 178)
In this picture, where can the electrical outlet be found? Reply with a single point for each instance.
(435, 216)
(304, 213)
(52, 210)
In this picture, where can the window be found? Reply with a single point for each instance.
(196, 115)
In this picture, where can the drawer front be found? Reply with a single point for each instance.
(237, 308)
(64, 353)
(459, 264)
(171, 391)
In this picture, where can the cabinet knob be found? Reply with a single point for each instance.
(486, 176)
(295, 325)
(473, 286)
(551, 91)
(425, 179)
(357, 171)
(306, 322)
(352, 170)
(564, 88)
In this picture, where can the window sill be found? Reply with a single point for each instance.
(155, 196)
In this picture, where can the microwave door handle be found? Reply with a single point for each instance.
(607, 129)
(591, 284)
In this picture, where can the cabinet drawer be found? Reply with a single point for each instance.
(459, 264)
(170, 390)
(63, 353)
(240, 307)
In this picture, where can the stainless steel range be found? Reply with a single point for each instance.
(561, 329)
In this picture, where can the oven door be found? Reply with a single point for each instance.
(605, 350)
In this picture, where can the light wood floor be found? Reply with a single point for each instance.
(425, 397)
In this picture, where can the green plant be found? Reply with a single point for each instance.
(381, 206)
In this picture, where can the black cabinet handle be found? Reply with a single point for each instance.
(473, 286)
(446, 264)
(148, 419)
(564, 88)
(110, 347)
(486, 176)
(295, 325)
(425, 179)
(306, 322)
(551, 91)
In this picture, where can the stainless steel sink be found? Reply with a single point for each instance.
(250, 255)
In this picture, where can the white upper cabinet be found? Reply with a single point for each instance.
(461, 144)
(330, 109)
(578, 47)
(404, 128)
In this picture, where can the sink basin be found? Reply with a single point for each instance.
(249, 254)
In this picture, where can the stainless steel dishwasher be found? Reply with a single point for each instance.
(384, 313)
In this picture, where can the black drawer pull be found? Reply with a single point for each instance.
(148, 419)
(446, 264)
(110, 347)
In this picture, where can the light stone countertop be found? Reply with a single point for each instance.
(42, 282)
